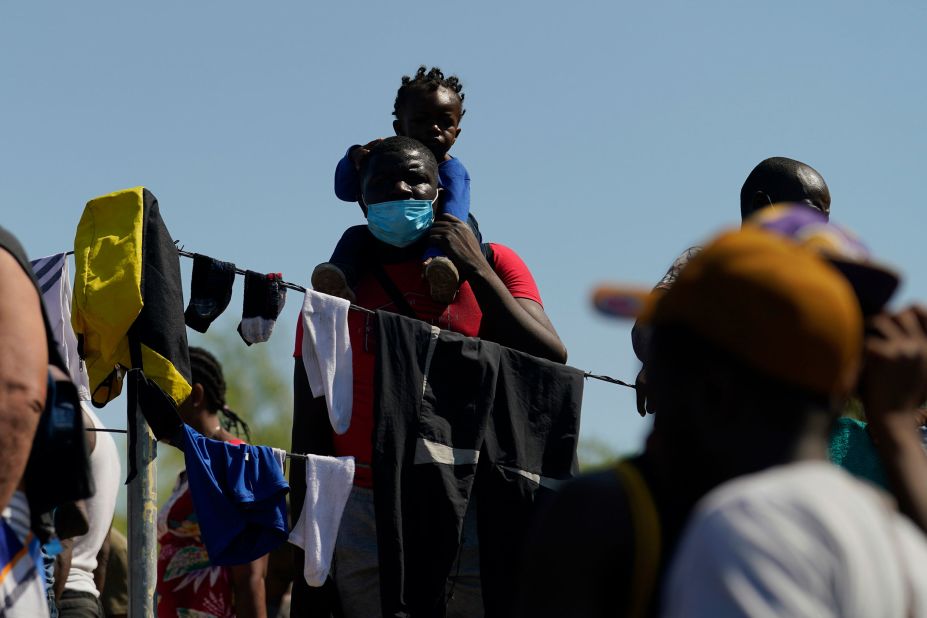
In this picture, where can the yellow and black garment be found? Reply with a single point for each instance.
(128, 298)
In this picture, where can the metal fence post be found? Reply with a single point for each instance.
(142, 512)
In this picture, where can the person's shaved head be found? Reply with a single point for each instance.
(398, 168)
(404, 148)
(780, 179)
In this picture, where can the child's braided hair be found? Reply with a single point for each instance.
(431, 79)
(207, 372)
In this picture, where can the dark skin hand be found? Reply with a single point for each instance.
(517, 323)
(893, 386)
(359, 155)
(644, 399)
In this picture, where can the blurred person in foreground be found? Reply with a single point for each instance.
(25, 353)
(776, 180)
(753, 350)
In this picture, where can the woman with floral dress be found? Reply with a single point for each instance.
(188, 585)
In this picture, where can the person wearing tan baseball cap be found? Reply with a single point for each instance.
(753, 350)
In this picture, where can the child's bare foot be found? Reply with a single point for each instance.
(443, 279)
(329, 279)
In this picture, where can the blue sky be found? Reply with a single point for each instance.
(602, 137)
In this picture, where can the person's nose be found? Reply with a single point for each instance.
(401, 190)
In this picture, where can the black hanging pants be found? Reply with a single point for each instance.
(458, 415)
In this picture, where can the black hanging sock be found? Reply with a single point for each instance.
(265, 296)
(210, 291)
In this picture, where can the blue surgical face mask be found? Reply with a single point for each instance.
(400, 222)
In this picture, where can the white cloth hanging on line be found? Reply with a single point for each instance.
(326, 352)
(328, 484)
(55, 283)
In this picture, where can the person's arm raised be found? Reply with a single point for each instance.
(893, 387)
(518, 323)
(23, 371)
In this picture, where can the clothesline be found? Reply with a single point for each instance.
(108, 430)
(299, 288)
(286, 284)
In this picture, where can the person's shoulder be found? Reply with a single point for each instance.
(10, 244)
(453, 166)
(799, 497)
(504, 254)
(810, 482)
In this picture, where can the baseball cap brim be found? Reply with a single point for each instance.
(620, 301)
(872, 283)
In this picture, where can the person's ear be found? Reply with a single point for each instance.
(761, 200)
(397, 128)
(197, 396)
(458, 133)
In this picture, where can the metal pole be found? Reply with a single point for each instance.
(143, 550)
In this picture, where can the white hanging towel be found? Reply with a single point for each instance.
(280, 456)
(55, 282)
(327, 355)
(328, 484)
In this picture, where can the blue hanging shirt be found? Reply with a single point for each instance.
(239, 494)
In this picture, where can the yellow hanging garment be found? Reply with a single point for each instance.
(127, 288)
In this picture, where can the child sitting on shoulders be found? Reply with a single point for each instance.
(428, 108)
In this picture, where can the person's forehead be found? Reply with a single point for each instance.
(441, 97)
(397, 162)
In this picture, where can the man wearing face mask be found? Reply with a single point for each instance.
(498, 300)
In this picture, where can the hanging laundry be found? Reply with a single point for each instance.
(328, 484)
(210, 291)
(264, 300)
(280, 455)
(326, 352)
(459, 416)
(127, 289)
(239, 494)
(54, 280)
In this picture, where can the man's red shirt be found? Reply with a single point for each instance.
(462, 316)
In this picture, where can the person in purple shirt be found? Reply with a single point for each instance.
(428, 108)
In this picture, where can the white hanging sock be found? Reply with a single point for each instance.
(327, 355)
(328, 484)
